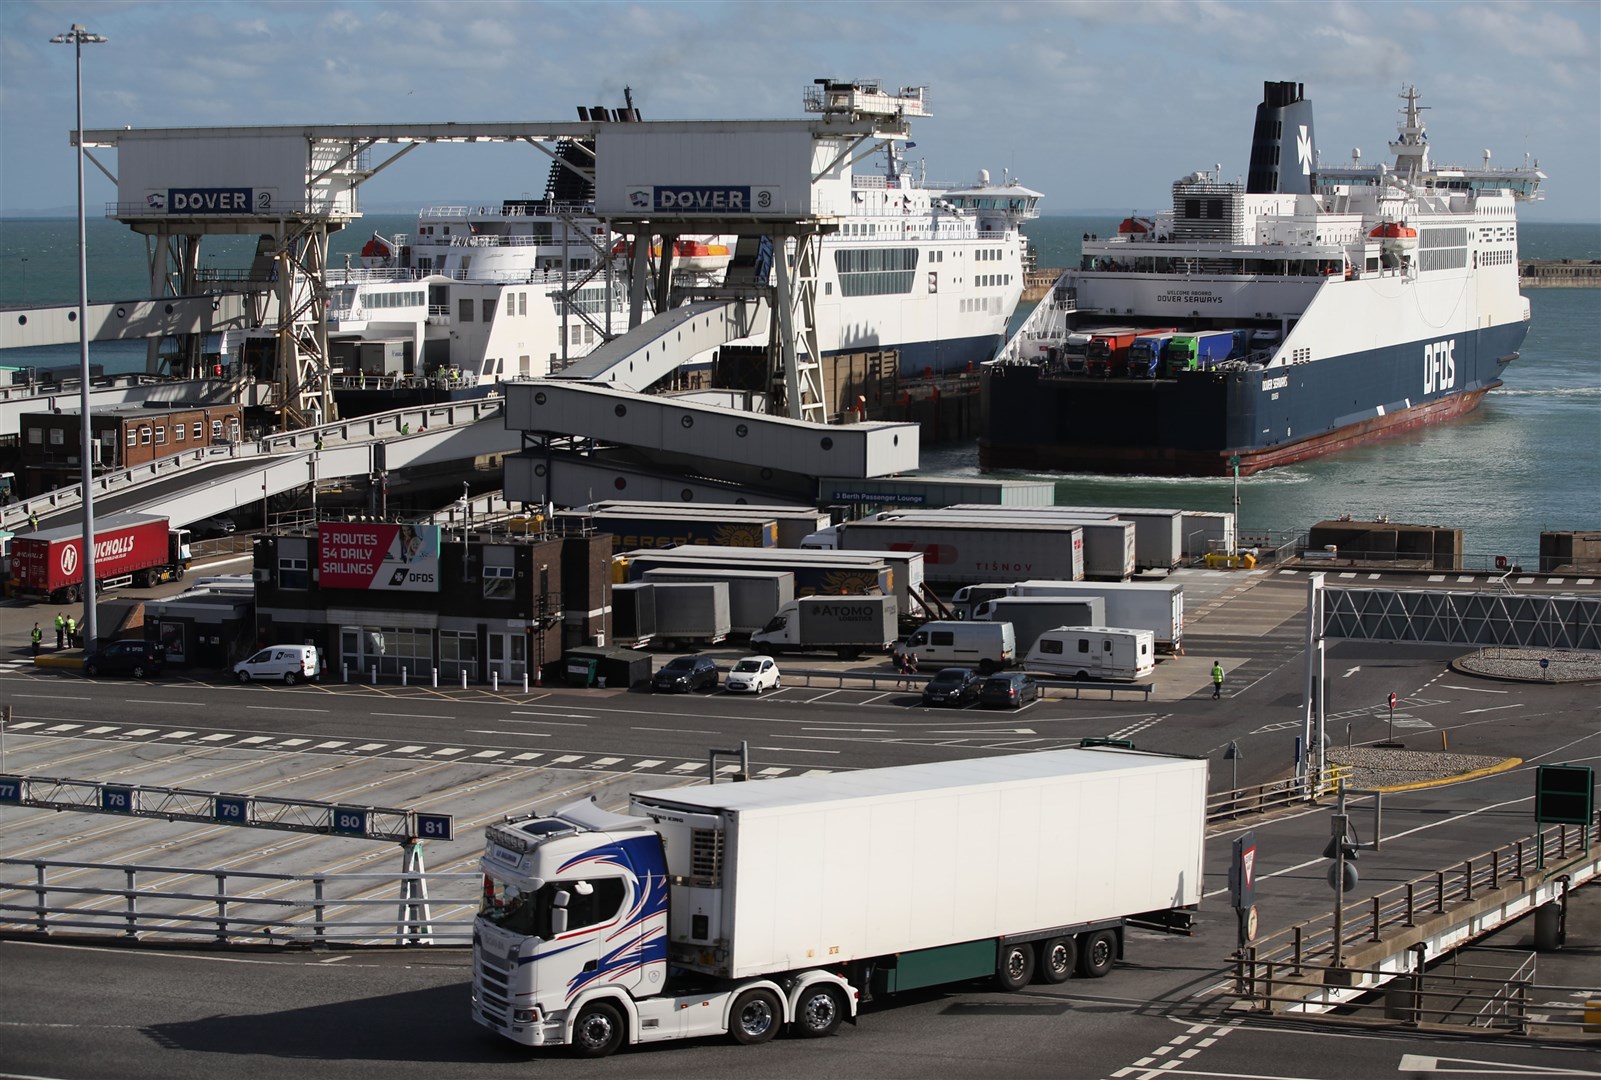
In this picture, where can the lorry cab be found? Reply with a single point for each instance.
(987, 646)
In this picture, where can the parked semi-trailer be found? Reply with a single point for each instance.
(741, 908)
(832, 572)
(846, 625)
(1108, 542)
(956, 551)
(1135, 605)
(1194, 352)
(1031, 616)
(1107, 355)
(691, 612)
(1145, 355)
(753, 595)
(659, 529)
(134, 549)
(794, 522)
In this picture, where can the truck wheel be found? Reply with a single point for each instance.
(755, 1017)
(177, 575)
(1016, 967)
(1057, 957)
(598, 1032)
(1097, 953)
(73, 594)
(820, 1011)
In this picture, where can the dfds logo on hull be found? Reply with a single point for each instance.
(1439, 366)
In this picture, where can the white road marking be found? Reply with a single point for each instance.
(796, 750)
(408, 749)
(284, 708)
(1493, 708)
(1351, 671)
(1476, 689)
(414, 715)
(1427, 1064)
(519, 734)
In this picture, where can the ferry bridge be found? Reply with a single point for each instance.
(778, 185)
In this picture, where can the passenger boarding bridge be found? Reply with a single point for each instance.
(777, 185)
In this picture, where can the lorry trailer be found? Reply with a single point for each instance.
(659, 529)
(794, 522)
(138, 549)
(845, 625)
(1135, 605)
(1032, 616)
(742, 908)
(753, 595)
(957, 549)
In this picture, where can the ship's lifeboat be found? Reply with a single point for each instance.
(1133, 226)
(697, 254)
(1395, 237)
(377, 252)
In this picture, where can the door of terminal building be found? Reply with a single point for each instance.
(508, 655)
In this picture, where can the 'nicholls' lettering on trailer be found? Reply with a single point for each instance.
(113, 548)
(209, 200)
(703, 199)
(1439, 366)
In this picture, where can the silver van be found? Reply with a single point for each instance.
(286, 663)
(987, 646)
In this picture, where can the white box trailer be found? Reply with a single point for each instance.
(906, 577)
(1206, 531)
(1154, 606)
(794, 522)
(774, 902)
(1158, 533)
(753, 595)
(1031, 616)
(959, 551)
(1109, 542)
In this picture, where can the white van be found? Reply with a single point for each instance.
(1094, 652)
(289, 663)
(987, 646)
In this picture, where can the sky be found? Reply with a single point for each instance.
(1097, 105)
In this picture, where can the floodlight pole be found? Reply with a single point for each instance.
(78, 37)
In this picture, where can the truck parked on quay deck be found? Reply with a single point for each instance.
(847, 626)
(659, 529)
(1145, 355)
(717, 909)
(753, 595)
(1107, 353)
(137, 549)
(691, 612)
(1197, 352)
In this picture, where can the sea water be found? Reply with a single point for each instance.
(1527, 460)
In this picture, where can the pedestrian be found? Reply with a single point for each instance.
(900, 669)
(1217, 680)
(72, 629)
(33, 521)
(38, 636)
(911, 668)
(405, 428)
(61, 631)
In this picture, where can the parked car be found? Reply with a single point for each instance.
(212, 528)
(753, 674)
(290, 663)
(952, 686)
(685, 673)
(1012, 690)
(134, 656)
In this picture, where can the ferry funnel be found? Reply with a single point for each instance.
(1283, 154)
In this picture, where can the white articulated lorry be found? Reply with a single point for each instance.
(741, 908)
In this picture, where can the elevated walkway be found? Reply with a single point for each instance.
(121, 320)
(714, 436)
(653, 350)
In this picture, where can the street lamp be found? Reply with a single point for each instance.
(78, 37)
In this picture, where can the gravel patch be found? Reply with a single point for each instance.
(1523, 665)
(1374, 767)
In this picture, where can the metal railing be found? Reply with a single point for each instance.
(236, 906)
(1298, 954)
(1272, 795)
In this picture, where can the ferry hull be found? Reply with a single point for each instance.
(1193, 425)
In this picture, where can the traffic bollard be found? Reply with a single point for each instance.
(436, 678)
(375, 674)
(494, 681)
(405, 675)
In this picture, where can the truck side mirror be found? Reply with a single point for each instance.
(558, 913)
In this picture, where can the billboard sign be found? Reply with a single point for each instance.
(402, 558)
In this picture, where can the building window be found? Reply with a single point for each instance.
(458, 652)
(58, 437)
(293, 572)
(178, 432)
(489, 311)
(133, 436)
(522, 303)
(216, 430)
(499, 583)
(464, 310)
(198, 432)
(144, 436)
(161, 436)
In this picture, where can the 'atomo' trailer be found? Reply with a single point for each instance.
(741, 908)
